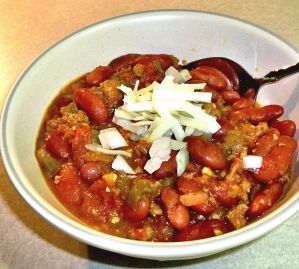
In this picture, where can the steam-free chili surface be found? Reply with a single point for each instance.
(213, 196)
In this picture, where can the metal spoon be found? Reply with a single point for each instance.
(240, 79)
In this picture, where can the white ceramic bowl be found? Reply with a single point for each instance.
(187, 34)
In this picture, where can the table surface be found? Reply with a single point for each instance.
(28, 28)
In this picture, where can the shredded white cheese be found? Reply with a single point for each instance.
(176, 107)
(158, 112)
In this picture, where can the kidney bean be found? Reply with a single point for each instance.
(273, 112)
(230, 96)
(265, 143)
(285, 127)
(206, 153)
(256, 115)
(221, 192)
(222, 66)
(177, 214)
(242, 103)
(68, 186)
(92, 105)
(284, 157)
(269, 170)
(193, 185)
(288, 142)
(225, 127)
(201, 230)
(137, 213)
(167, 168)
(98, 75)
(57, 146)
(90, 171)
(264, 199)
(204, 208)
(251, 114)
(195, 231)
(194, 198)
(170, 197)
(212, 76)
(123, 61)
(164, 59)
(275, 164)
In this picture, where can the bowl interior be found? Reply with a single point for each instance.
(188, 35)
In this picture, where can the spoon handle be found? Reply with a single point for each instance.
(281, 73)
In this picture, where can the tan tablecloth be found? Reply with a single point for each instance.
(26, 29)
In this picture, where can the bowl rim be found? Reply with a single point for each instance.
(191, 249)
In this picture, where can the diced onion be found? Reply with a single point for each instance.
(134, 137)
(182, 159)
(159, 152)
(111, 138)
(120, 164)
(179, 76)
(177, 145)
(252, 162)
(161, 149)
(171, 71)
(97, 148)
(185, 75)
(152, 165)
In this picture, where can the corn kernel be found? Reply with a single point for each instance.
(57, 179)
(155, 210)
(115, 220)
(218, 232)
(207, 171)
(110, 179)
